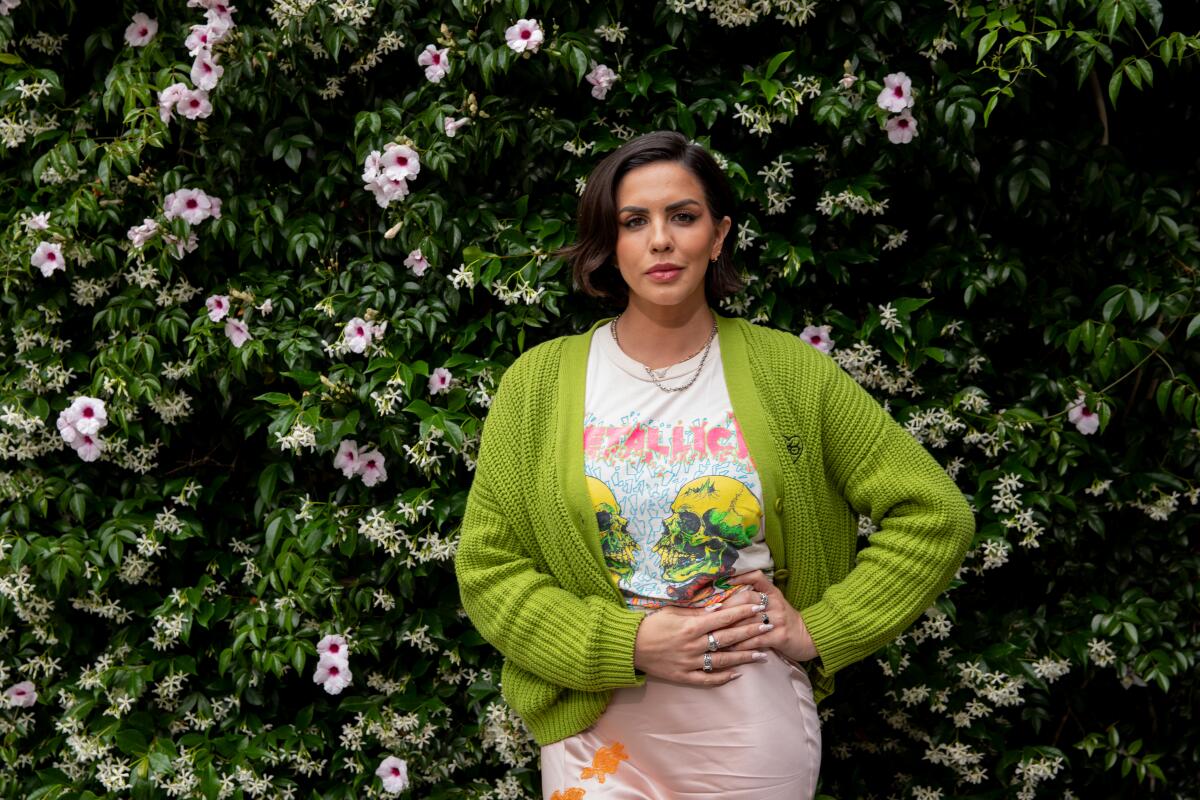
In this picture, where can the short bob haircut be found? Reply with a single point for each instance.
(591, 256)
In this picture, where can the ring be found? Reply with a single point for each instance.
(762, 599)
(713, 644)
(708, 662)
(766, 620)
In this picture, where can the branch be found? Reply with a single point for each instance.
(1098, 94)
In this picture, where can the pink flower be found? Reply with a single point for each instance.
(141, 31)
(333, 673)
(66, 429)
(168, 98)
(440, 381)
(417, 262)
(435, 62)
(818, 337)
(194, 104)
(394, 773)
(88, 447)
(266, 308)
(525, 35)
(24, 694)
(202, 38)
(901, 129)
(181, 246)
(334, 644)
(206, 72)
(48, 257)
(1086, 420)
(452, 125)
(7, 6)
(358, 334)
(601, 78)
(87, 415)
(220, 16)
(218, 307)
(848, 80)
(400, 161)
(140, 234)
(191, 205)
(372, 469)
(896, 94)
(237, 332)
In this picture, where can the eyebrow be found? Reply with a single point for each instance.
(677, 204)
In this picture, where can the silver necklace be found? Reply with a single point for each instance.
(707, 346)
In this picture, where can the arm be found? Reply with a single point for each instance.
(584, 643)
(924, 526)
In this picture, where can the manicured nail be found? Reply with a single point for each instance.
(758, 608)
(759, 656)
(736, 675)
(767, 627)
(713, 607)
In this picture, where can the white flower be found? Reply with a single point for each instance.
(417, 262)
(24, 694)
(601, 78)
(435, 62)
(372, 469)
(37, 222)
(399, 161)
(1086, 420)
(901, 129)
(206, 71)
(348, 461)
(818, 337)
(333, 673)
(202, 37)
(237, 332)
(440, 381)
(394, 773)
(87, 415)
(194, 104)
(334, 644)
(140, 234)
(191, 205)
(8, 5)
(525, 35)
(141, 31)
(896, 94)
(358, 334)
(386, 174)
(1101, 652)
(451, 125)
(266, 308)
(48, 257)
(218, 307)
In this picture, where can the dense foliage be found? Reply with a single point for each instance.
(274, 399)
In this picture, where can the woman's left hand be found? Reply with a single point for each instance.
(785, 631)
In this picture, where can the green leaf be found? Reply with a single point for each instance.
(1109, 16)
(1193, 326)
(1114, 86)
(986, 43)
(776, 63)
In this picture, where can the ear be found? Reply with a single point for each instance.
(722, 227)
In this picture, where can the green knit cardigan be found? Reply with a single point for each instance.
(529, 564)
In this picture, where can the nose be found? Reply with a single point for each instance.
(660, 239)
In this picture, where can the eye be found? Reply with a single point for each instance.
(689, 522)
(603, 520)
(686, 217)
(633, 222)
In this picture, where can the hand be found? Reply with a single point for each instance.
(786, 631)
(671, 643)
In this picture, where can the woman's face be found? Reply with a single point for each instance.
(665, 235)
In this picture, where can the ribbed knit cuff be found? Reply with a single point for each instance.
(833, 639)
(612, 648)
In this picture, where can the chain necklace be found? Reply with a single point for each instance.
(707, 346)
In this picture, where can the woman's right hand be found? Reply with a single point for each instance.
(671, 643)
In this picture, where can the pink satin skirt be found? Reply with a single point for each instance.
(755, 738)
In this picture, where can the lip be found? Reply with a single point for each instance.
(664, 271)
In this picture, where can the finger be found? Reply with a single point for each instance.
(729, 637)
(764, 640)
(722, 618)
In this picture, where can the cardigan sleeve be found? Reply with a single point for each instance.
(923, 522)
(575, 642)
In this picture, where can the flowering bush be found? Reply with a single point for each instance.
(264, 265)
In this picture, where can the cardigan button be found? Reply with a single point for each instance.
(779, 505)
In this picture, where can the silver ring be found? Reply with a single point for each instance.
(766, 620)
(762, 599)
(708, 662)
(713, 644)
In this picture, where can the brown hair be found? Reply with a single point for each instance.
(591, 255)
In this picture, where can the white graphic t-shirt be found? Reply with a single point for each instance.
(677, 497)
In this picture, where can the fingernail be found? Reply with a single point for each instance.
(767, 627)
(759, 656)
(713, 607)
(758, 608)
(736, 675)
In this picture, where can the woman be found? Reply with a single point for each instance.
(661, 534)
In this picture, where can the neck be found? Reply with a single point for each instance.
(659, 337)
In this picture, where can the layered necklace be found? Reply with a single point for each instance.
(655, 378)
